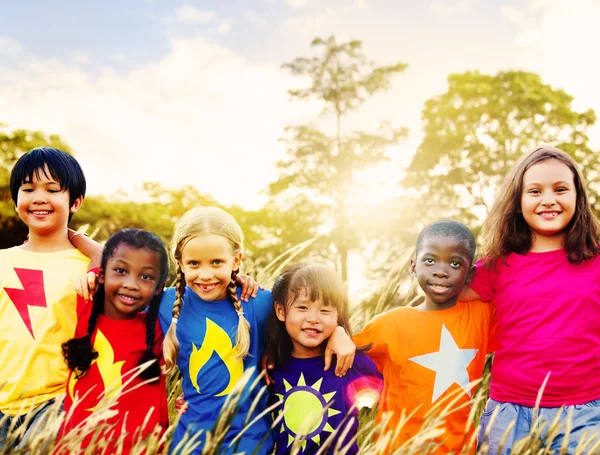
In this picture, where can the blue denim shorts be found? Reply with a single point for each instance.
(39, 415)
(583, 420)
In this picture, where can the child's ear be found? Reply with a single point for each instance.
(280, 311)
(471, 274)
(76, 204)
(237, 260)
(101, 276)
(413, 268)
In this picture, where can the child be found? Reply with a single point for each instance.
(213, 336)
(37, 301)
(540, 266)
(314, 409)
(430, 354)
(115, 336)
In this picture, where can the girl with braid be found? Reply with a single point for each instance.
(212, 336)
(117, 348)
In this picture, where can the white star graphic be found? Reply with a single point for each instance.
(449, 363)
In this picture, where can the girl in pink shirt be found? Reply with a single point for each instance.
(540, 266)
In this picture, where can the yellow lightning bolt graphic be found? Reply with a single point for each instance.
(216, 340)
(110, 372)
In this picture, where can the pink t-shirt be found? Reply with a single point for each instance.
(548, 322)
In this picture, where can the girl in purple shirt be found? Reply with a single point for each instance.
(539, 265)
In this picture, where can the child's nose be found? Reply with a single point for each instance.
(131, 283)
(39, 197)
(440, 273)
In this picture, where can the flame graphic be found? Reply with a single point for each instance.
(216, 340)
(110, 372)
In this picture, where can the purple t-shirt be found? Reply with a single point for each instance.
(316, 403)
(548, 324)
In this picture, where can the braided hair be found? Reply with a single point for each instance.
(194, 223)
(79, 352)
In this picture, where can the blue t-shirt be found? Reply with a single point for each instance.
(316, 404)
(206, 332)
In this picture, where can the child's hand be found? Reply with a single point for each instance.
(267, 364)
(180, 405)
(249, 286)
(343, 347)
(85, 285)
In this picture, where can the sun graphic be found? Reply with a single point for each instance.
(305, 412)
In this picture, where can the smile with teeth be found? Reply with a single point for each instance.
(41, 212)
(438, 287)
(207, 287)
(549, 215)
(127, 299)
(311, 332)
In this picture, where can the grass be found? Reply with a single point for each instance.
(398, 290)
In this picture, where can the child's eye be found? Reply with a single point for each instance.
(193, 263)
(301, 307)
(429, 261)
(147, 277)
(455, 264)
(561, 190)
(53, 191)
(534, 191)
(27, 190)
(325, 311)
(120, 271)
(217, 262)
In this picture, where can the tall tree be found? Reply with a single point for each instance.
(476, 131)
(323, 166)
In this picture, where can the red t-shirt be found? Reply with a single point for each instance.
(135, 409)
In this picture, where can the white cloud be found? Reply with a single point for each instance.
(297, 4)
(224, 27)
(556, 37)
(81, 58)
(447, 8)
(201, 115)
(9, 47)
(361, 4)
(254, 18)
(187, 14)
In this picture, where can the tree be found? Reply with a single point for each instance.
(323, 166)
(476, 131)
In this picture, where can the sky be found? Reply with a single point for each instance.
(192, 92)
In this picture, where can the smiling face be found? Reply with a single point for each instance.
(309, 323)
(442, 267)
(43, 206)
(548, 200)
(131, 280)
(207, 262)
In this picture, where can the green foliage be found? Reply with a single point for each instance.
(323, 167)
(476, 131)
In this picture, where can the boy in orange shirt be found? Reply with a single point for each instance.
(429, 355)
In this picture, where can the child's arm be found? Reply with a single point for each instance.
(343, 347)
(85, 285)
(468, 294)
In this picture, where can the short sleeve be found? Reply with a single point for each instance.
(165, 311)
(365, 383)
(373, 337)
(484, 282)
(493, 329)
(262, 305)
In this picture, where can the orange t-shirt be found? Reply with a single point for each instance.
(428, 359)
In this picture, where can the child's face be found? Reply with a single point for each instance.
(43, 206)
(131, 280)
(207, 262)
(442, 268)
(549, 198)
(309, 324)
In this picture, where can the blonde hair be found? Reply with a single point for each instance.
(197, 222)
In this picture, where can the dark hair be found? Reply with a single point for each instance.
(79, 352)
(62, 167)
(317, 280)
(505, 230)
(449, 228)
